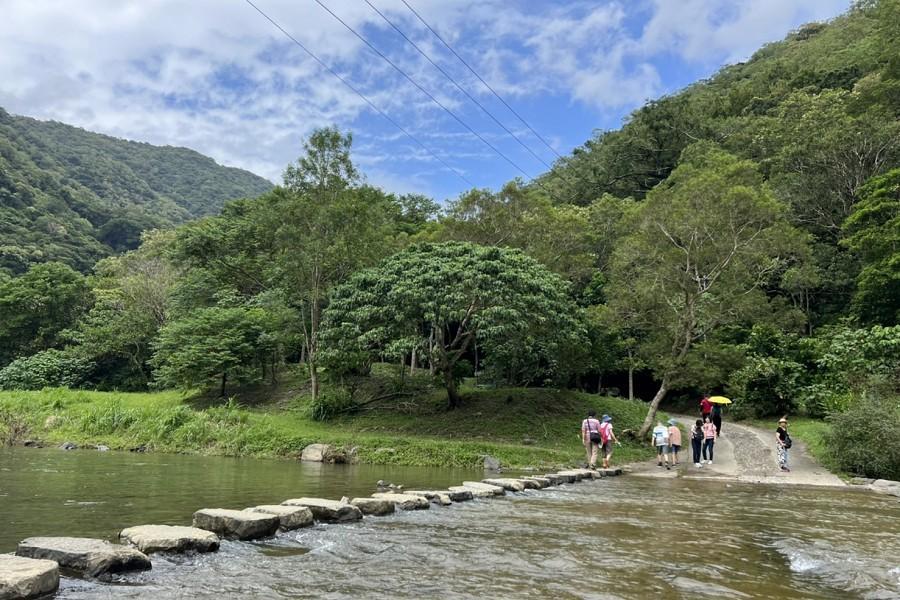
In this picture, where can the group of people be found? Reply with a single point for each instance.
(598, 439)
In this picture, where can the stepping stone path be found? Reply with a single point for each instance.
(376, 507)
(404, 501)
(442, 498)
(27, 577)
(91, 557)
(238, 524)
(328, 511)
(510, 485)
(495, 490)
(168, 538)
(289, 517)
(34, 572)
(459, 494)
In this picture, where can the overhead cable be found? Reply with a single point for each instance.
(485, 83)
(343, 80)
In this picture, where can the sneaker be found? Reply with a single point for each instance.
(698, 465)
(667, 466)
(659, 464)
(783, 468)
(709, 462)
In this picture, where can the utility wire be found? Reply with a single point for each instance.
(360, 94)
(485, 83)
(467, 94)
(426, 92)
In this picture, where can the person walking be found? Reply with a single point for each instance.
(709, 440)
(705, 407)
(607, 439)
(717, 418)
(784, 443)
(697, 442)
(674, 440)
(661, 441)
(590, 437)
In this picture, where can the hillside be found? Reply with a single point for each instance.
(74, 196)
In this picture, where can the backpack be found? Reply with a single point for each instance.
(787, 440)
(697, 433)
(604, 432)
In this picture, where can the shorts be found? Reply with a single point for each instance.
(606, 447)
(660, 450)
(674, 448)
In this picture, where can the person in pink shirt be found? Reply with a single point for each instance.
(674, 440)
(590, 437)
(709, 439)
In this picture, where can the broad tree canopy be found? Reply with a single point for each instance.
(440, 299)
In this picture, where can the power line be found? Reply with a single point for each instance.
(426, 92)
(360, 94)
(454, 82)
(485, 83)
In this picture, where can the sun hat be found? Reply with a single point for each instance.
(782, 420)
(672, 421)
(606, 418)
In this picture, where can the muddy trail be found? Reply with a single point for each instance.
(746, 454)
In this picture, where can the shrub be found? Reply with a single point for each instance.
(49, 368)
(331, 403)
(765, 386)
(864, 439)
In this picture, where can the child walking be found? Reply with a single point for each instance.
(709, 439)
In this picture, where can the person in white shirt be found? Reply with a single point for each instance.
(661, 441)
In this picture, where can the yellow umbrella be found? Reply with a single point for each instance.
(719, 400)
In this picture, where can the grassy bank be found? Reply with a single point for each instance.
(521, 427)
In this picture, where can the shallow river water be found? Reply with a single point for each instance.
(625, 537)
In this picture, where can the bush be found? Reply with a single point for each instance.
(50, 368)
(864, 440)
(331, 403)
(765, 386)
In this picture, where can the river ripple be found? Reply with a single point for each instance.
(621, 538)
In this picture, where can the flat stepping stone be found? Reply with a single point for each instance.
(540, 482)
(377, 507)
(328, 511)
(554, 479)
(289, 517)
(404, 501)
(237, 524)
(614, 472)
(495, 490)
(169, 538)
(22, 578)
(510, 485)
(566, 477)
(91, 557)
(442, 498)
(459, 494)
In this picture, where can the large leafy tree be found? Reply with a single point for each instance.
(212, 346)
(702, 247)
(37, 306)
(874, 235)
(441, 299)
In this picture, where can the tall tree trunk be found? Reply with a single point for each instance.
(630, 377)
(453, 400)
(654, 406)
(431, 352)
(413, 362)
(312, 343)
(224, 380)
(599, 382)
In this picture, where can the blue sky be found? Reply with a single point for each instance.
(215, 76)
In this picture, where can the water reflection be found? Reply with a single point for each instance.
(621, 538)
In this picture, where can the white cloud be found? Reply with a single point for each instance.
(215, 76)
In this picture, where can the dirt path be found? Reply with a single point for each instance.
(746, 454)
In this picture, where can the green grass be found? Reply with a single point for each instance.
(521, 427)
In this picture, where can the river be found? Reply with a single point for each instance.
(625, 537)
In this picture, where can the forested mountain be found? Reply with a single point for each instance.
(74, 196)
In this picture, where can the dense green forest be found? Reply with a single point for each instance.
(72, 196)
(741, 236)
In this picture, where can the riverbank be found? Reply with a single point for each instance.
(520, 427)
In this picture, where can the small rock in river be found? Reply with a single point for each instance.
(102, 448)
(491, 463)
(68, 446)
(32, 444)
